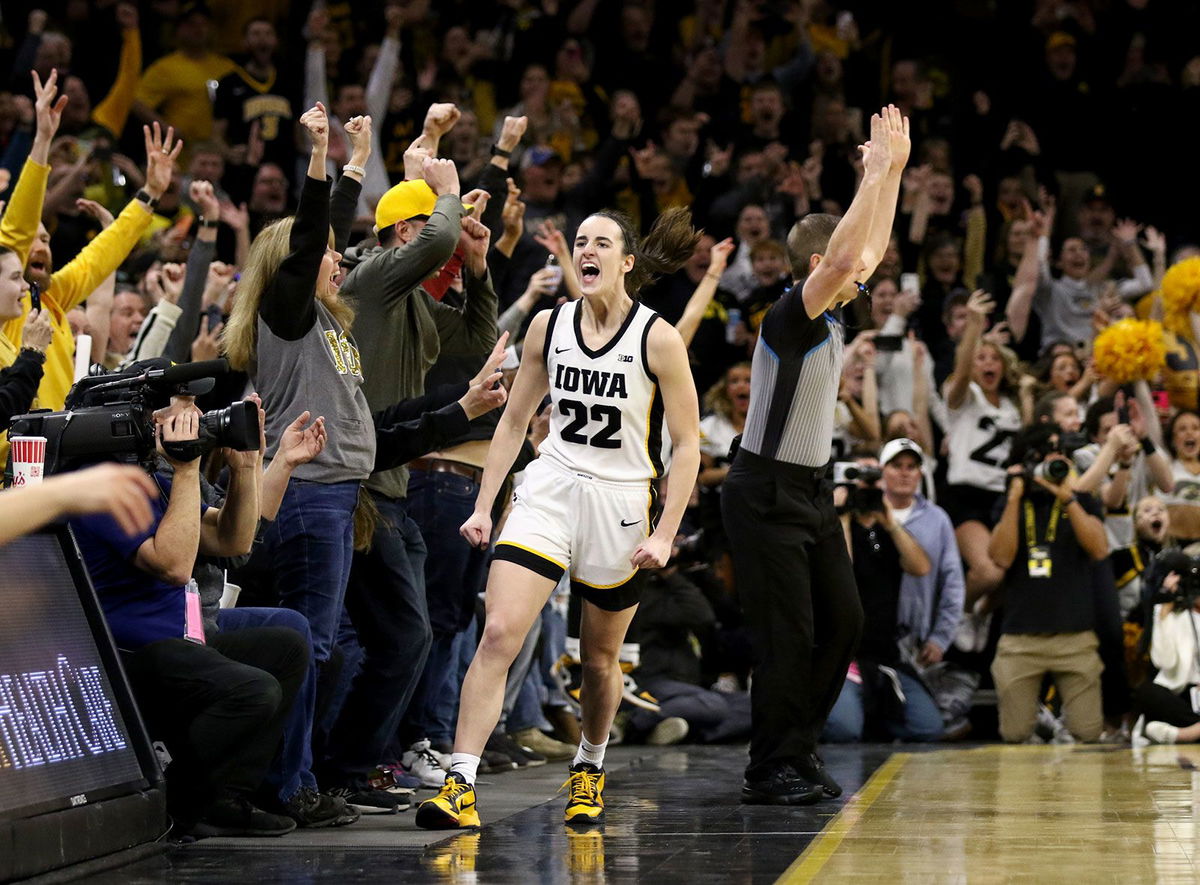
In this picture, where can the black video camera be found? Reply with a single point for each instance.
(111, 417)
(861, 499)
(1188, 569)
(1057, 470)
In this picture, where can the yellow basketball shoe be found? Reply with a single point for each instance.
(451, 809)
(585, 794)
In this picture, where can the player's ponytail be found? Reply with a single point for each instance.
(667, 247)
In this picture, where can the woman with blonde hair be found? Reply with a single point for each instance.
(983, 417)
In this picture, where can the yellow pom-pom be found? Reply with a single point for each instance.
(1130, 350)
(1181, 295)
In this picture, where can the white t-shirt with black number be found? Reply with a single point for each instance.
(980, 436)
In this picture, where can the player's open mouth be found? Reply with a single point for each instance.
(589, 272)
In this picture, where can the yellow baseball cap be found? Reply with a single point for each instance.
(405, 201)
(408, 199)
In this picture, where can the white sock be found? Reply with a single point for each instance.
(592, 754)
(465, 766)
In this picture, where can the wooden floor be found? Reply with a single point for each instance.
(1073, 815)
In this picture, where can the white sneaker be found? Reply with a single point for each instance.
(670, 731)
(424, 765)
(1161, 732)
(1138, 736)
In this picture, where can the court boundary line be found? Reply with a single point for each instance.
(810, 862)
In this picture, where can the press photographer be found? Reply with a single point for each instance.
(1047, 539)
(217, 703)
(1170, 703)
(881, 695)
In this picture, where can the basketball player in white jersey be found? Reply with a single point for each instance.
(615, 371)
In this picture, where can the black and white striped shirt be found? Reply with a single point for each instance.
(794, 378)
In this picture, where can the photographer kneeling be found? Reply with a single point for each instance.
(1169, 703)
(217, 704)
(1046, 540)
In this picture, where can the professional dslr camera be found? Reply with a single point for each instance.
(862, 494)
(1188, 569)
(1056, 470)
(111, 417)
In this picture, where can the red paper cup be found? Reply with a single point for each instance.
(28, 459)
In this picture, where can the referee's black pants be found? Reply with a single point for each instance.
(801, 605)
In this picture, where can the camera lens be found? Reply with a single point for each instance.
(1057, 470)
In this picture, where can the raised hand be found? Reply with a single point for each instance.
(171, 281)
(512, 132)
(973, 185)
(441, 176)
(477, 200)
(95, 210)
(37, 331)
(513, 213)
(1154, 240)
(218, 284)
(440, 119)
(980, 304)
(316, 121)
(207, 344)
(47, 109)
(1126, 231)
(358, 130)
(899, 142)
(550, 238)
(161, 154)
(202, 194)
(474, 244)
(237, 217)
(485, 391)
(718, 256)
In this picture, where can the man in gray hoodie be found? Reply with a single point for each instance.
(401, 332)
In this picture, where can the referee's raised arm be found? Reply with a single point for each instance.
(861, 237)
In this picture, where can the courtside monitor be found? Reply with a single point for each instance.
(69, 732)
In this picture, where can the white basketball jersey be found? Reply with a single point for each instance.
(980, 437)
(607, 415)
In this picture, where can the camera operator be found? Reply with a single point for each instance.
(1046, 540)
(1170, 702)
(884, 554)
(218, 705)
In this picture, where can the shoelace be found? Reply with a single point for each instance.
(453, 788)
(584, 786)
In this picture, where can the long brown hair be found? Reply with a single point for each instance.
(239, 340)
(667, 247)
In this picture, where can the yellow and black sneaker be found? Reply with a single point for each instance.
(585, 794)
(451, 809)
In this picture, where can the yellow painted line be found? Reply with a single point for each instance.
(827, 842)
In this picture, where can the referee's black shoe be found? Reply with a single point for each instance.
(811, 768)
(781, 785)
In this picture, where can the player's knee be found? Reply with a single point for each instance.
(600, 667)
(500, 640)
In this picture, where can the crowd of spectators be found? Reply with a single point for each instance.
(165, 173)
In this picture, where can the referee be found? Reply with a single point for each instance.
(790, 560)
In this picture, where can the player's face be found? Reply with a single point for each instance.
(599, 256)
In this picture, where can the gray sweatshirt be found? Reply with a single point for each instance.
(401, 330)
